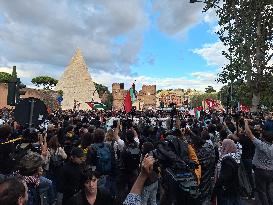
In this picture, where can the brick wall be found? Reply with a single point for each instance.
(118, 93)
(49, 97)
(146, 97)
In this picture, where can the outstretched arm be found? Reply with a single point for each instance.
(133, 198)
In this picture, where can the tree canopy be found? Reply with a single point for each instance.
(241, 92)
(4, 77)
(246, 28)
(46, 81)
(210, 89)
(196, 100)
(101, 89)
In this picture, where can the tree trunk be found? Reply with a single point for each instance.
(257, 91)
(255, 101)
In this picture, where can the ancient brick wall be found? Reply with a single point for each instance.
(48, 96)
(146, 97)
(148, 93)
(3, 95)
(118, 93)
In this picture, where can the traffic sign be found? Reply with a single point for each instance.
(59, 99)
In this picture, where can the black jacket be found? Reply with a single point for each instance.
(71, 177)
(227, 184)
(101, 199)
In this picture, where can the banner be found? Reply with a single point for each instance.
(244, 108)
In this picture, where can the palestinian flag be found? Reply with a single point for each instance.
(96, 105)
(197, 111)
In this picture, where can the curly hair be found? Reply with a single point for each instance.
(11, 190)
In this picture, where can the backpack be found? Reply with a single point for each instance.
(56, 161)
(185, 182)
(132, 157)
(103, 160)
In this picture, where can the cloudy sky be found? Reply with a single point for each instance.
(170, 43)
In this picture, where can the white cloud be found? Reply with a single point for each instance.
(21, 73)
(196, 80)
(204, 75)
(212, 53)
(199, 81)
(48, 32)
(210, 16)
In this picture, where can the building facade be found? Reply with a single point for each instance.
(146, 98)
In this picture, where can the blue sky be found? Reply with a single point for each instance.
(173, 54)
(168, 43)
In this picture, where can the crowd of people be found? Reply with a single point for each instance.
(103, 157)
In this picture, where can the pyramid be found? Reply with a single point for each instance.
(76, 84)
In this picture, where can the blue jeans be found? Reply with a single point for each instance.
(46, 188)
(149, 194)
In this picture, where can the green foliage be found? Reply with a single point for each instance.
(5, 77)
(196, 100)
(101, 89)
(45, 81)
(241, 92)
(158, 91)
(246, 28)
(109, 102)
(60, 92)
(210, 89)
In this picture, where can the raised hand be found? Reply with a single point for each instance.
(147, 165)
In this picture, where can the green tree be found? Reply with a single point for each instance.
(196, 100)
(4, 77)
(210, 89)
(246, 28)
(240, 93)
(101, 89)
(109, 102)
(158, 91)
(46, 81)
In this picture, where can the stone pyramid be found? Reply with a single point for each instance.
(76, 84)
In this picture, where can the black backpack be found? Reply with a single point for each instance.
(132, 157)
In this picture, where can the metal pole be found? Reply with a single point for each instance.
(31, 112)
